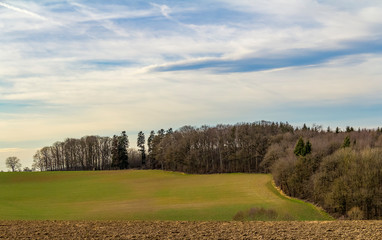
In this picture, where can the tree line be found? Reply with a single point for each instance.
(86, 153)
(219, 149)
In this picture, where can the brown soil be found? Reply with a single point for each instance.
(189, 230)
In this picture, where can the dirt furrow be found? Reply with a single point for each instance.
(189, 230)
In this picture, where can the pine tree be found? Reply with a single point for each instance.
(346, 142)
(114, 152)
(299, 148)
(150, 142)
(123, 145)
(307, 148)
(141, 145)
(119, 151)
(150, 146)
(349, 129)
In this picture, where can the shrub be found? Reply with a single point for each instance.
(256, 214)
(239, 216)
(355, 213)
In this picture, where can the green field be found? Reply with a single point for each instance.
(142, 195)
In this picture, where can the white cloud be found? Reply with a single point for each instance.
(372, 14)
(164, 9)
(24, 11)
(93, 75)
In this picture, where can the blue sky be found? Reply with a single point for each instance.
(74, 68)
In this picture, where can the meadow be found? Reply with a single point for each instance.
(143, 195)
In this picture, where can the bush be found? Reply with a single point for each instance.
(239, 216)
(262, 213)
(256, 214)
(355, 213)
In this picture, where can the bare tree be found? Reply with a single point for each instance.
(13, 163)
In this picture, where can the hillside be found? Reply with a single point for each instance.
(142, 195)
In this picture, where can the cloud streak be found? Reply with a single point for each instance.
(290, 58)
(24, 11)
(136, 65)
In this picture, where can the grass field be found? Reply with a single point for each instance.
(142, 195)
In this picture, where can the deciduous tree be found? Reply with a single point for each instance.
(13, 163)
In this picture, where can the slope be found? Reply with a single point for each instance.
(142, 195)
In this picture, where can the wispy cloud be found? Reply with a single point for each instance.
(8, 150)
(136, 65)
(164, 9)
(24, 11)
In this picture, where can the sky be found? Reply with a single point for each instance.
(74, 68)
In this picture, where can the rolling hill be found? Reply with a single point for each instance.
(143, 195)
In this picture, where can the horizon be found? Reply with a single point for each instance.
(76, 68)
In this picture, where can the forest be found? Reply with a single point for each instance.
(338, 169)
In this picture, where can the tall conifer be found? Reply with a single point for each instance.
(299, 148)
(141, 145)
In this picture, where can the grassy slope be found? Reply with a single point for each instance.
(143, 195)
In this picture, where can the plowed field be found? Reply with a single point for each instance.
(189, 230)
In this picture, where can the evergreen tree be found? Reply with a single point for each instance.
(123, 145)
(150, 147)
(307, 148)
(150, 142)
(337, 129)
(349, 129)
(299, 148)
(120, 145)
(141, 146)
(114, 152)
(346, 142)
